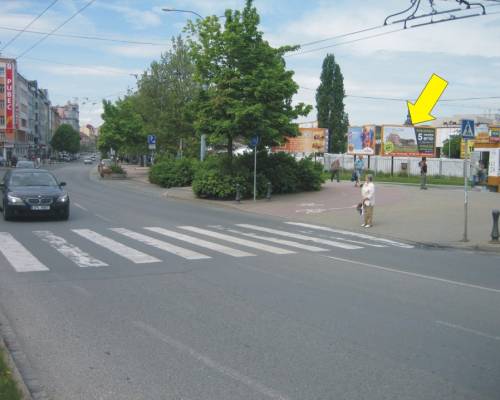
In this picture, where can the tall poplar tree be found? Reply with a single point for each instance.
(330, 105)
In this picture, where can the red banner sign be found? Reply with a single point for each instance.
(9, 94)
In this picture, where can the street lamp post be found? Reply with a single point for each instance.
(183, 11)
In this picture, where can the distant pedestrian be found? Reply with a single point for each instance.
(423, 173)
(335, 170)
(359, 165)
(368, 201)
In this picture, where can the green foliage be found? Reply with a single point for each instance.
(8, 388)
(122, 129)
(330, 105)
(117, 169)
(452, 146)
(66, 139)
(218, 175)
(165, 100)
(169, 172)
(247, 90)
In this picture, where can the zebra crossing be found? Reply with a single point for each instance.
(194, 243)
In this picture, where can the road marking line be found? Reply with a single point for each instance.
(301, 237)
(243, 242)
(18, 256)
(359, 235)
(200, 242)
(348, 240)
(463, 328)
(79, 206)
(285, 242)
(222, 369)
(75, 254)
(136, 256)
(160, 244)
(429, 277)
(103, 218)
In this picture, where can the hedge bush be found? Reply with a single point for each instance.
(171, 172)
(218, 175)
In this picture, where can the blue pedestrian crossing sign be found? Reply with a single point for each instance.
(254, 141)
(151, 139)
(468, 129)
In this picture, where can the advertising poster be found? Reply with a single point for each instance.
(495, 134)
(470, 148)
(409, 141)
(310, 140)
(361, 140)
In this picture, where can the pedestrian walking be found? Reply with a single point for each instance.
(423, 173)
(335, 170)
(359, 165)
(368, 201)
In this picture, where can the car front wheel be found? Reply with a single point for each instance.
(7, 213)
(65, 214)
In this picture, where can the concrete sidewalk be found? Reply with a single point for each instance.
(433, 217)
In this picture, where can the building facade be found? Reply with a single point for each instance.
(70, 114)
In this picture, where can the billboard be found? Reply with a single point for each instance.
(361, 140)
(310, 140)
(409, 141)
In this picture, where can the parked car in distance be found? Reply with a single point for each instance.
(25, 164)
(33, 192)
(104, 167)
(87, 161)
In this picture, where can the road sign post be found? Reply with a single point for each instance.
(468, 132)
(253, 143)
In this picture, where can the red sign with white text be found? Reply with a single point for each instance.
(9, 97)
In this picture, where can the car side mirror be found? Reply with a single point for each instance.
(62, 184)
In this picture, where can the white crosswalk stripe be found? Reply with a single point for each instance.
(75, 254)
(242, 242)
(200, 242)
(301, 237)
(355, 234)
(160, 244)
(18, 256)
(136, 256)
(285, 242)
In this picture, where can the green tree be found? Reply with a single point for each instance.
(452, 147)
(330, 105)
(247, 90)
(165, 99)
(122, 129)
(66, 139)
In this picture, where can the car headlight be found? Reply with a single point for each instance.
(14, 200)
(63, 198)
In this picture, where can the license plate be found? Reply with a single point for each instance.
(40, 208)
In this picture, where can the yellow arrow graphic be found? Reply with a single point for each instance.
(420, 111)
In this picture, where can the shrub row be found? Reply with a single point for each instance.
(169, 172)
(218, 176)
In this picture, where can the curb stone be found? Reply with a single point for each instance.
(18, 363)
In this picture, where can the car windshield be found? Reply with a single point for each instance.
(32, 179)
(25, 164)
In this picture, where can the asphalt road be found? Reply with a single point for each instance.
(220, 311)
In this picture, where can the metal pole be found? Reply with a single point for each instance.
(465, 239)
(255, 173)
(203, 146)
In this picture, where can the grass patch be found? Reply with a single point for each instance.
(8, 388)
(345, 175)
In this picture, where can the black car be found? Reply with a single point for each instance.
(33, 192)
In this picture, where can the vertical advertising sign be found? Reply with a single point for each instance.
(9, 100)
(361, 140)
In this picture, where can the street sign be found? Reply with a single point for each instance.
(151, 139)
(152, 142)
(254, 141)
(468, 129)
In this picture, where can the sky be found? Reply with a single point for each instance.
(465, 52)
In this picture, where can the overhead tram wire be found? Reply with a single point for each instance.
(85, 37)
(55, 29)
(362, 38)
(21, 31)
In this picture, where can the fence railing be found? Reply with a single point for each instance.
(398, 165)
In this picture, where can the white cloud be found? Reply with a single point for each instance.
(137, 51)
(139, 19)
(95, 71)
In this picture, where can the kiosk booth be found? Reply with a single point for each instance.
(487, 150)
